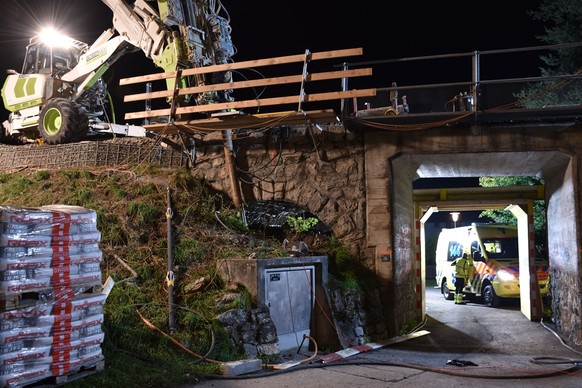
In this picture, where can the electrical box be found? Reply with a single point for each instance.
(290, 295)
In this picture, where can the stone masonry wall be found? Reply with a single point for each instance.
(320, 171)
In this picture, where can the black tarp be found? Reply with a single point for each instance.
(270, 217)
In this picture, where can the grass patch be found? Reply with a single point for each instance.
(131, 208)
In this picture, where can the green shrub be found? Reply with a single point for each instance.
(300, 224)
(42, 175)
(232, 219)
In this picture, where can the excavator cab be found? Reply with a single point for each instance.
(40, 99)
(44, 57)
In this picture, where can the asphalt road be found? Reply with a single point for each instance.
(506, 348)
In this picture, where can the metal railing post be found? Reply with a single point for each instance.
(344, 88)
(476, 80)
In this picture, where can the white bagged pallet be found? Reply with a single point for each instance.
(46, 251)
(65, 337)
(76, 308)
(49, 257)
(58, 331)
(56, 260)
(79, 348)
(30, 372)
(23, 334)
(50, 214)
(46, 229)
(40, 241)
(38, 251)
(23, 355)
(24, 274)
(25, 376)
(63, 365)
(44, 283)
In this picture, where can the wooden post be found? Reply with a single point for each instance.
(230, 164)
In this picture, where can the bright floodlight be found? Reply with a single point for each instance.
(53, 38)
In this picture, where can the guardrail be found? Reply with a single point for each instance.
(463, 82)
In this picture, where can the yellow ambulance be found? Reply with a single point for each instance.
(494, 249)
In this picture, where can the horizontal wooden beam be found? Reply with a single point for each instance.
(243, 65)
(253, 103)
(244, 121)
(251, 84)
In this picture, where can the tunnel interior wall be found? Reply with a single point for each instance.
(563, 243)
(403, 173)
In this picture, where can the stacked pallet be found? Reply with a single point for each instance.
(51, 308)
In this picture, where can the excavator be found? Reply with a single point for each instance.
(60, 96)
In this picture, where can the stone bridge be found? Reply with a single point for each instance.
(357, 176)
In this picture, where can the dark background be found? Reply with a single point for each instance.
(264, 29)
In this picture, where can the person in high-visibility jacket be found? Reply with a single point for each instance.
(463, 266)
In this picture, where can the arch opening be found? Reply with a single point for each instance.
(554, 168)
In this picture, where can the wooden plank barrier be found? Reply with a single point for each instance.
(175, 114)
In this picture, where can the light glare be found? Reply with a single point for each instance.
(53, 38)
(505, 276)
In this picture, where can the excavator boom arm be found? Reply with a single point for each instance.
(179, 34)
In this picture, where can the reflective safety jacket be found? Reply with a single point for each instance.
(463, 267)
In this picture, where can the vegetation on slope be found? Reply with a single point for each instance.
(131, 207)
(132, 216)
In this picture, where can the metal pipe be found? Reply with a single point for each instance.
(303, 78)
(170, 275)
(482, 82)
(460, 55)
(148, 103)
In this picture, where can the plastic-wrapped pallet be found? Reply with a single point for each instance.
(50, 250)
(49, 269)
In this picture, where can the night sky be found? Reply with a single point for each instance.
(266, 28)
